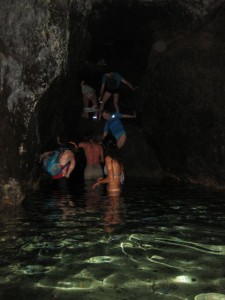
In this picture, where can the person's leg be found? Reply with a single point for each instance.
(63, 184)
(105, 98)
(121, 141)
(94, 100)
(116, 101)
(86, 104)
(94, 103)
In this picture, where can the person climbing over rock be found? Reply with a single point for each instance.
(111, 87)
(89, 96)
(114, 125)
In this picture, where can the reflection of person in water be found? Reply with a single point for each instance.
(110, 206)
(93, 201)
(114, 168)
(112, 213)
(67, 207)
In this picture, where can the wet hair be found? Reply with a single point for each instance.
(110, 147)
(89, 136)
(107, 111)
(63, 141)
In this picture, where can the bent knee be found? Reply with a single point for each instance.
(121, 141)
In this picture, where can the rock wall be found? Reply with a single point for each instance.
(33, 50)
(183, 90)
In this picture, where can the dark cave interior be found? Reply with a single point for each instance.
(117, 39)
(123, 35)
(124, 46)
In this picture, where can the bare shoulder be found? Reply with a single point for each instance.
(98, 146)
(108, 159)
(82, 144)
(68, 152)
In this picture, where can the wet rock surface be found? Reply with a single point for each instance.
(183, 89)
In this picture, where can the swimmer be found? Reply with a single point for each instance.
(114, 167)
(94, 156)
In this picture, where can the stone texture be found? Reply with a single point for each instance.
(33, 50)
(11, 194)
(183, 90)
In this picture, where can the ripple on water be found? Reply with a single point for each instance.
(169, 245)
(210, 296)
(70, 284)
(100, 259)
(35, 269)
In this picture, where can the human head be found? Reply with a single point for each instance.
(73, 145)
(89, 136)
(106, 114)
(110, 147)
(62, 140)
(109, 140)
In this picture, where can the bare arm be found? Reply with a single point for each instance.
(101, 155)
(128, 116)
(109, 174)
(71, 158)
(81, 145)
(43, 155)
(129, 84)
(105, 134)
(102, 90)
(101, 181)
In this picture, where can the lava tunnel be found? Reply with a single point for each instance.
(173, 53)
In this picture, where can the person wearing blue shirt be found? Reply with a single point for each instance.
(114, 126)
(110, 87)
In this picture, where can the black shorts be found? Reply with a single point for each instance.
(114, 91)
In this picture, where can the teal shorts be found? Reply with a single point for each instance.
(117, 136)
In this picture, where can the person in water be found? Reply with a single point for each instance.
(111, 87)
(114, 167)
(114, 125)
(67, 163)
(94, 158)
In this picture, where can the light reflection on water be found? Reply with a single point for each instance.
(155, 241)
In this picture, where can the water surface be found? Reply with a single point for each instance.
(156, 241)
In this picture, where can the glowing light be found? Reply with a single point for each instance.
(183, 279)
(99, 259)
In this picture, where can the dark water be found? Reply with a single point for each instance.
(155, 241)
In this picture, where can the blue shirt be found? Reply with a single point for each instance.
(115, 126)
(118, 78)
